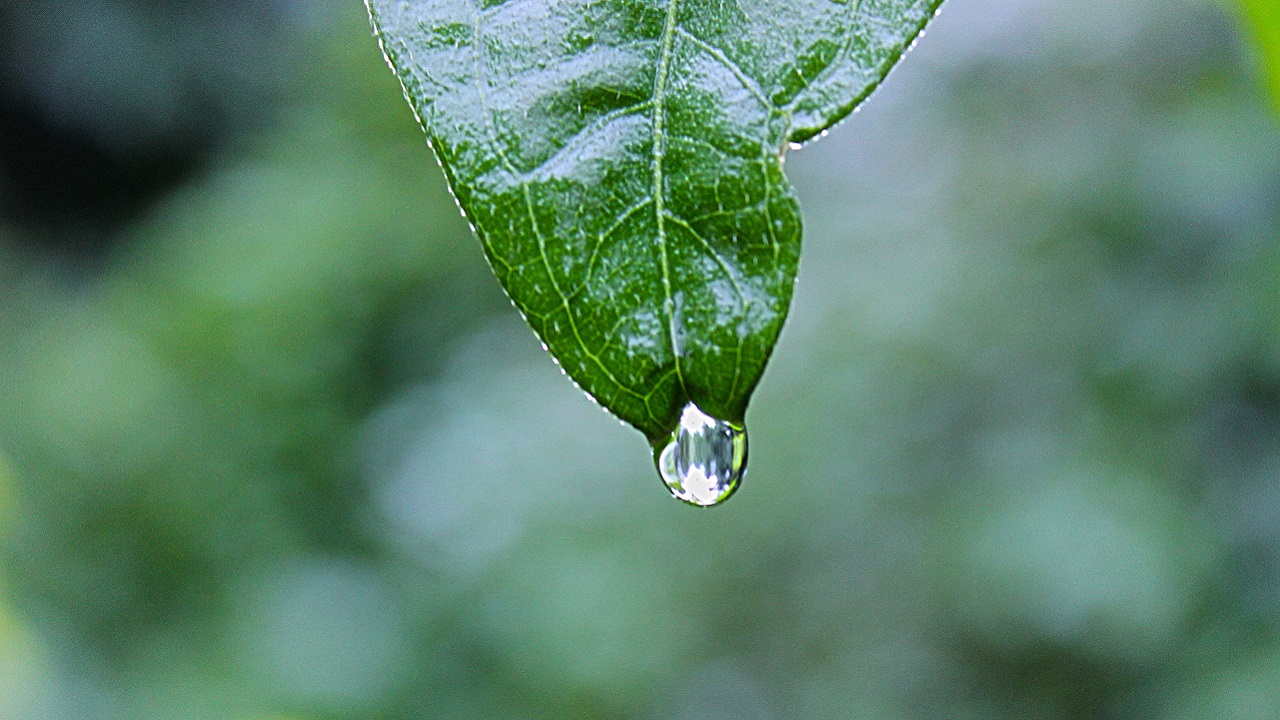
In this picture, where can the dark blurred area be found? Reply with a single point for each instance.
(107, 105)
(274, 446)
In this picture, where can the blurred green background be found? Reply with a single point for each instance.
(275, 447)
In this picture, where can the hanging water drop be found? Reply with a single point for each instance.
(705, 459)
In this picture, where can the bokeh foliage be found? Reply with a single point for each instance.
(279, 448)
(1263, 17)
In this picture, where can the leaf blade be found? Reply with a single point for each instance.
(1263, 18)
(621, 162)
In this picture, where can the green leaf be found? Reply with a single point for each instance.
(621, 161)
(1264, 18)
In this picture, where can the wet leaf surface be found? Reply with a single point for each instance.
(621, 162)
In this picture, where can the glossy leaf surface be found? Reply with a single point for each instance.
(621, 161)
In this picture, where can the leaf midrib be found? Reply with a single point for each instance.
(666, 43)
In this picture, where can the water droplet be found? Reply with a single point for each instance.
(705, 459)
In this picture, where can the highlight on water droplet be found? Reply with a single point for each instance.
(705, 459)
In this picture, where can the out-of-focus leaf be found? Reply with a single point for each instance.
(6, 494)
(622, 164)
(1264, 19)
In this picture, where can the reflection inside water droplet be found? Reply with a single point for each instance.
(705, 459)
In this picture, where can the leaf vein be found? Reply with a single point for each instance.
(837, 59)
(724, 266)
(747, 81)
(667, 42)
